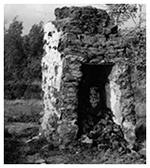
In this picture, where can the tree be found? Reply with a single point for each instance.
(14, 61)
(33, 49)
(134, 41)
(134, 38)
(13, 53)
(122, 12)
(141, 16)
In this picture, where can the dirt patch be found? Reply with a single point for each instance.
(22, 145)
(17, 151)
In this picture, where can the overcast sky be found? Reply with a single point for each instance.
(31, 14)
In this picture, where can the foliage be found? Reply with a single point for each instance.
(22, 59)
(33, 48)
(13, 54)
(122, 12)
(135, 47)
(23, 53)
(141, 16)
(135, 43)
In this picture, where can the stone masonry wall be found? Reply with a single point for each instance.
(77, 36)
(52, 64)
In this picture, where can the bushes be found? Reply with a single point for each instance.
(33, 92)
(22, 61)
(14, 90)
(21, 90)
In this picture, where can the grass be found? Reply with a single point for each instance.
(22, 119)
(22, 110)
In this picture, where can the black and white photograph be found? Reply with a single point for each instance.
(75, 83)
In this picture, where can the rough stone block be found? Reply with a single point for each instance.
(83, 35)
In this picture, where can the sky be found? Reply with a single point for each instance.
(34, 13)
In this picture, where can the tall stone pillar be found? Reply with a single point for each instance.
(122, 100)
(52, 64)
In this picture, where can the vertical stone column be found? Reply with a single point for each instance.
(127, 106)
(114, 94)
(52, 64)
(122, 100)
(69, 94)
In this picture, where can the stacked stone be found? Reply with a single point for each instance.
(87, 32)
(128, 107)
(120, 78)
(107, 134)
(51, 77)
(88, 35)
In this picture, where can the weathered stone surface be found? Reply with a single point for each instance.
(86, 20)
(67, 131)
(83, 35)
(62, 13)
(83, 13)
(124, 108)
(52, 71)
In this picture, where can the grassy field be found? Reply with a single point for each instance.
(22, 110)
(21, 119)
(21, 122)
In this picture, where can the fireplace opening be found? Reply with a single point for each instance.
(92, 98)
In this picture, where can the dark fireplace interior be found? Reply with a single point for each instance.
(92, 96)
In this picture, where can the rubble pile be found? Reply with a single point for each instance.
(106, 133)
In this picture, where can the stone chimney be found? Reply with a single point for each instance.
(86, 78)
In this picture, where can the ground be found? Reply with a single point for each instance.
(23, 145)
